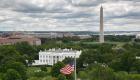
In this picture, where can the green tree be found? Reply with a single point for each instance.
(33, 78)
(19, 67)
(82, 75)
(12, 74)
(40, 74)
(28, 51)
(127, 62)
(121, 75)
(62, 77)
(103, 54)
(44, 68)
(99, 72)
(12, 59)
(68, 60)
(8, 53)
(56, 69)
(102, 73)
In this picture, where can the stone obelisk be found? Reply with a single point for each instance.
(101, 40)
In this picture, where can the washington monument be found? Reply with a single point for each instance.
(101, 40)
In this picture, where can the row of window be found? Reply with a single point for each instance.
(43, 56)
(44, 61)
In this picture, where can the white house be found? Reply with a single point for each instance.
(138, 36)
(52, 56)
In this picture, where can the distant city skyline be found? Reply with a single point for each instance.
(69, 15)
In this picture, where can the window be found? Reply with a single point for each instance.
(40, 60)
(57, 58)
(53, 61)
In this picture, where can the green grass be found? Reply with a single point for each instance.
(31, 71)
(134, 76)
(44, 78)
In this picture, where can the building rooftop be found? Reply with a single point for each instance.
(18, 38)
(53, 50)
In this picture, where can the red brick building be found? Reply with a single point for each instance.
(18, 39)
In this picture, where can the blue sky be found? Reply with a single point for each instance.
(69, 15)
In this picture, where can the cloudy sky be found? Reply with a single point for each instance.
(69, 15)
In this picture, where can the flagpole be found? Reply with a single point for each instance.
(75, 67)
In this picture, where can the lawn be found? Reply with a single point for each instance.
(35, 73)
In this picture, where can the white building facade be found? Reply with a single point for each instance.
(138, 36)
(52, 56)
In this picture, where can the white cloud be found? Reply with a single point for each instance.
(68, 15)
(116, 8)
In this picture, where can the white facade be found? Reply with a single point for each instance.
(138, 36)
(52, 56)
(84, 36)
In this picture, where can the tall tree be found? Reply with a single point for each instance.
(12, 74)
(56, 68)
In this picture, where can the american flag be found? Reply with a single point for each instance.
(68, 69)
